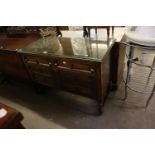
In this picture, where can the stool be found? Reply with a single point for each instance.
(87, 29)
(12, 120)
(131, 60)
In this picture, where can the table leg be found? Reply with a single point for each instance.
(113, 30)
(108, 32)
(85, 32)
(100, 106)
(89, 31)
(96, 31)
(129, 66)
(153, 65)
(150, 97)
(58, 32)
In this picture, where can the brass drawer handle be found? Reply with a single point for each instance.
(31, 62)
(43, 64)
(55, 64)
(64, 62)
(92, 70)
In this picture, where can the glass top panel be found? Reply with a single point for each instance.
(78, 48)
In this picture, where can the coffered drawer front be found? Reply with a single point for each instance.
(80, 90)
(87, 91)
(45, 80)
(37, 68)
(76, 78)
(66, 63)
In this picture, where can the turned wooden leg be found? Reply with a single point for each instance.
(129, 67)
(89, 33)
(108, 32)
(150, 97)
(113, 30)
(96, 31)
(85, 32)
(58, 32)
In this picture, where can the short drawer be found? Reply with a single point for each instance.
(39, 68)
(64, 64)
(37, 59)
(85, 67)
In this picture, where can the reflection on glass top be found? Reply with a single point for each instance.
(80, 48)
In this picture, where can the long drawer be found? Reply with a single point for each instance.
(61, 63)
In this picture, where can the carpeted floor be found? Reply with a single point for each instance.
(57, 109)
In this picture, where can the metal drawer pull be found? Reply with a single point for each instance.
(31, 62)
(55, 64)
(64, 62)
(92, 70)
(43, 64)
